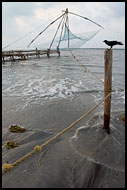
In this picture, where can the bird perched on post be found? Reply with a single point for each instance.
(112, 43)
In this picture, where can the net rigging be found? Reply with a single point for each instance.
(68, 39)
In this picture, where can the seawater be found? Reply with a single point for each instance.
(36, 81)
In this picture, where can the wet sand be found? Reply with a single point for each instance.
(69, 161)
(55, 114)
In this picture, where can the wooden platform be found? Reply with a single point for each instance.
(26, 54)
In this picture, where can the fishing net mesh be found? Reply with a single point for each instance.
(70, 39)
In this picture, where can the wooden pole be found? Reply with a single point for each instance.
(58, 51)
(36, 52)
(48, 52)
(107, 87)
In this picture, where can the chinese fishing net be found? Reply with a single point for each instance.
(62, 36)
(78, 40)
(70, 39)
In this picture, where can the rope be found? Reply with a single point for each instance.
(7, 167)
(86, 67)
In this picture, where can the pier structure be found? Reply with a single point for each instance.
(26, 54)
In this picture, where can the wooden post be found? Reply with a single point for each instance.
(107, 87)
(3, 58)
(36, 52)
(58, 51)
(48, 52)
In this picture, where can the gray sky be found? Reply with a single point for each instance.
(20, 18)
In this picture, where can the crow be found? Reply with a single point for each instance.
(112, 43)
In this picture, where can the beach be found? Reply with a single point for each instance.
(72, 160)
(47, 95)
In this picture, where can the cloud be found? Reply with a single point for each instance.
(117, 8)
(43, 14)
(12, 9)
(22, 24)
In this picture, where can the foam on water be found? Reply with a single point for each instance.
(35, 81)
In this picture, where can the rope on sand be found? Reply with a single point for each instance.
(7, 167)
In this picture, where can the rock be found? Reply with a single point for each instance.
(17, 129)
(10, 144)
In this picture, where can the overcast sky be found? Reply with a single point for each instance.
(21, 18)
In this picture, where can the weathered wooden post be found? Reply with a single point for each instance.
(58, 51)
(36, 52)
(107, 87)
(3, 58)
(48, 52)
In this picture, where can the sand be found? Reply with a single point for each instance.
(84, 157)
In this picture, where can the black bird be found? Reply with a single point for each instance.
(112, 43)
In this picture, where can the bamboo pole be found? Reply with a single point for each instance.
(107, 87)
(84, 18)
(44, 30)
(56, 32)
(67, 24)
